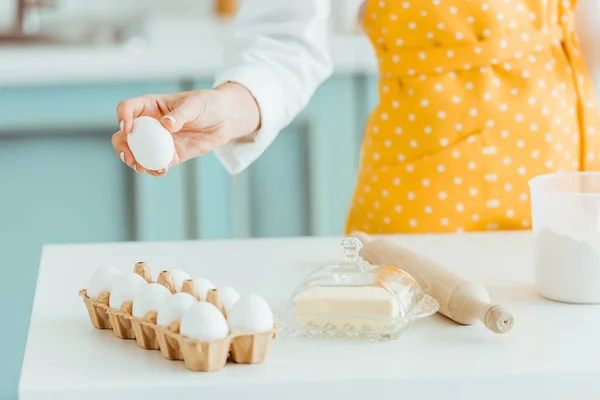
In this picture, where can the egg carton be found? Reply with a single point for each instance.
(197, 355)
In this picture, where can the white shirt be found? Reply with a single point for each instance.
(279, 51)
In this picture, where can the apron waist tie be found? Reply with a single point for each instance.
(417, 61)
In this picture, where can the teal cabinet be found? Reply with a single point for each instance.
(278, 188)
(333, 151)
(212, 198)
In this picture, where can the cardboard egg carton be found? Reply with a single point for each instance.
(197, 355)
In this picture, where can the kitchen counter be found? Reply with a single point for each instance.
(167, 48)
(549, 354)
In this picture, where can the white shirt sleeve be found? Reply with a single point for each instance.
(279, 52)
(587, 15)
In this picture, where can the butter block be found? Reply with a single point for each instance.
(356, 306)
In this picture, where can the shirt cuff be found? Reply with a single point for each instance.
(237, 156)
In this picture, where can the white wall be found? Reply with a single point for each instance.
(107, 9)
(344, 11)
(116, 7)
(588, 28)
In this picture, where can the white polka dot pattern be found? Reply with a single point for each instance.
(474, 101)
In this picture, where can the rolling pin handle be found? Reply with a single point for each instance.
(363, 237)
(498, 319)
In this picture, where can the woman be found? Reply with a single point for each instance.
(476, 98)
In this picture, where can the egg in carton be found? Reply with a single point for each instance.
(252, 329)
(110, 293)
(137, 315)
(96, 295)
(205, 343)
(252, 314)
(146, 314)
(109, 286)
(146, 305)
(246, 334)
(120, 306)
(169, 317)
(209, 354)
(124, 319)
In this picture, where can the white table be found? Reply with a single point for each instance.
(551, 353)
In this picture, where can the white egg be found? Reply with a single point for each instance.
(203, 286)
(102, 280)
(229, 296)
(250, 314)
(151, 143)
(179, 276)
(125, 289)
(149, 298)
(173, 308)
(203, 321)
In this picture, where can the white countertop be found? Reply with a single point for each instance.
(171, 49)
(551, 353)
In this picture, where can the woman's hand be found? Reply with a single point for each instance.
(199, 120)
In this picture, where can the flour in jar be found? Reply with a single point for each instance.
(566, 269)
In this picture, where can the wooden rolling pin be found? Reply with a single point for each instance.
(462, 301)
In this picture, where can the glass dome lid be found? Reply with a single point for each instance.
(356, 300)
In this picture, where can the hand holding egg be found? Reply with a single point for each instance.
(198, 121)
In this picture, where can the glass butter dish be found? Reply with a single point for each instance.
(356, 300)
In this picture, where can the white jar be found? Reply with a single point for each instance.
(566, 215)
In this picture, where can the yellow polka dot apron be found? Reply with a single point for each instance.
(475, 98)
